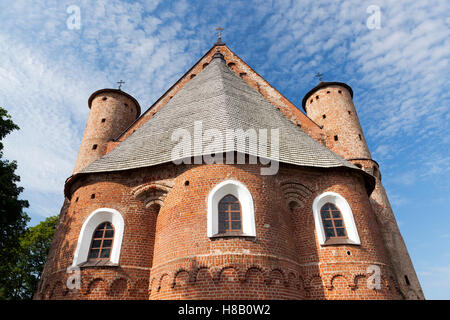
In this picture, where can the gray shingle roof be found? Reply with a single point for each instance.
(221, 100)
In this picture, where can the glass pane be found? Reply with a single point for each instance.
(93, 253)
(107, 243)
(223, 216)
(109, 226)
(326, 207)
(336, 214)
(98, 234)
(325, 214)
(102, 226)
(327, 224)
(105, 253)
(96, 243)
(338, 223)
(329, 233)
(109, 233)
(235, 206)
(235, 216)
(223, 206)
(340, 232)
(223, 227)
(332, 206)
(236, 225)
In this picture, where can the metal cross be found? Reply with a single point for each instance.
(319, 76)
(219, 33)
(120, 84)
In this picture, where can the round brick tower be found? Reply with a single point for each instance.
(112, 111)
(330, 105)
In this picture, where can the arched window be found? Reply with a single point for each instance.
(100, 238)
(230, 215)
(102, 242)
(334, 220)
(230, 210)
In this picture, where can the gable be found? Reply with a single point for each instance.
(245, 72)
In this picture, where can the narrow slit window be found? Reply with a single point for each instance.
(336, 138)
(94, 147)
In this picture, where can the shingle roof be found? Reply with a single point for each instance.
(221, 100)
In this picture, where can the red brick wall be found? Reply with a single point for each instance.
(119, 111)
(340, 120)
(167, 255)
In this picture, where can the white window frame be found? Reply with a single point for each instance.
(87, 230)
(244, 196)
(347, 214)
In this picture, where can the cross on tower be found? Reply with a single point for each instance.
(319, 76)
(219, 34)
(120, 83)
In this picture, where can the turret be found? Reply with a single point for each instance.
(112, 111)
(330, 105)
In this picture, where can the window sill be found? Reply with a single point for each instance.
(231, 235)
(98, 263)
(332, 242)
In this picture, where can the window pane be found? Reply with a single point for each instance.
(109, 233)
(109, 226)
(332, 206)
(340, 232)
(336, 214)
(223, 227)
(93, 253)
(325, 214)
(235, 215)
(329, 233)
(98, 234)
(107, 243)
(96, 243)
(102, 226)
(229, 214)
(235, 206)
(105, 253)
(327, 224)
(338, 223)
(236, 225)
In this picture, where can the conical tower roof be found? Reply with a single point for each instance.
(223, 101)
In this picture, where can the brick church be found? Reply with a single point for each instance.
(141, 221)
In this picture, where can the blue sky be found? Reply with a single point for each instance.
(399, 74)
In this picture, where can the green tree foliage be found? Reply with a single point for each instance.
(31, 256)
(13, 219)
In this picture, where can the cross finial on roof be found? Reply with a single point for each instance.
(120, 84)
(219, 35)
(319, 76)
